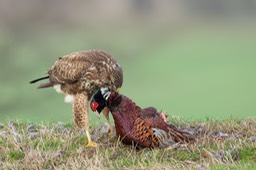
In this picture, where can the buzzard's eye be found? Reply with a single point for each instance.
(94, 105)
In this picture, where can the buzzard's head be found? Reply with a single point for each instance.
(99, 100)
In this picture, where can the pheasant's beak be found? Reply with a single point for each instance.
(117, 90)
(105, 111)
(97, 113)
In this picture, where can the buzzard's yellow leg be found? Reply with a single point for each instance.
(81, 116)
(90, 142)
(105, 112)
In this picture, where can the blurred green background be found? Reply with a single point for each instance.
(193, 59)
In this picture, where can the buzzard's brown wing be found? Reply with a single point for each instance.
(80, 66)
(92, 68)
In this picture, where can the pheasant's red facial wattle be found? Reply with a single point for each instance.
(94, 105)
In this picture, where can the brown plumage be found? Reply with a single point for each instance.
(79, 75)
(140, 127)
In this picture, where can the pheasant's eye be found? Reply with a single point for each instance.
(94, 105)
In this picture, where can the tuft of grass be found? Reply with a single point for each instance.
(52, 145)
(223, 144)
(248, 154)
(187, 155)
(16, 155)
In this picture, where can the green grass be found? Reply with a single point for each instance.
(56, 149)
(248, 154)
(15, 155)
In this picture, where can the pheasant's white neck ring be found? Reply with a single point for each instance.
(105, 93)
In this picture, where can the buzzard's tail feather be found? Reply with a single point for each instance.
(39, 79)
(45, 85)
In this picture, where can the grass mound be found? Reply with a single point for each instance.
(220, 144)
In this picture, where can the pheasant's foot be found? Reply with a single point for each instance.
(91, 144)
(173, 146)
(169, 148)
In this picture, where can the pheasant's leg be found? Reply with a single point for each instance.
(173, 146)
(81, 115)
(105, 112)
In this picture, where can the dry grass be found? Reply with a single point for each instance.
(219, 145)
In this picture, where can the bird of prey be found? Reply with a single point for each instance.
(79, 75)
(139, 127)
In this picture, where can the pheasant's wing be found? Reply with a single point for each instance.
(149, 112)
(143, 134)
(166, 133)
(155, 118)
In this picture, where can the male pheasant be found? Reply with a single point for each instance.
(140, 127)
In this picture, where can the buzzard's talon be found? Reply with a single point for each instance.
(92, 144)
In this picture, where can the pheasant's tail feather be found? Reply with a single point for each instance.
(181, 135)
(163, 138)
(38, 79)
(173, 136)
